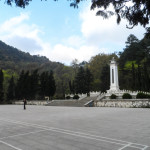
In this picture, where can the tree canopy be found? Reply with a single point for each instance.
(134, 11)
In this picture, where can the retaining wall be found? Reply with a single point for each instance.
(126, 103)
(34, 102)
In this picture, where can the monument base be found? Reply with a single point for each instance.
(119, 93)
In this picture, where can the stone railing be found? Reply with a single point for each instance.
(92, 94)
(101, 96)
(119, 93)
(89, 104)
(34, 102)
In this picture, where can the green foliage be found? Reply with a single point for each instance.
(83, 81)
(141, 95)
(80, 81)
(98, 67)
(32, 85)
(134, 72)
(76, 97)
(72, 87)
(51, 85)
(134, 69)
(126, 96)
(137, 13)
(113, 96)
(128, 65)
(68, 97)
(1, 86)
(105, 78)
(88, 81)
(16, 60)
(11, 90)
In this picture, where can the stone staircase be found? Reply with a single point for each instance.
(71, 103)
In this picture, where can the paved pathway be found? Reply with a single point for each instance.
(73, 128)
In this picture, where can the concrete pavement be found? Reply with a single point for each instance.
(73, 128)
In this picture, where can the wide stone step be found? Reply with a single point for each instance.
(73, 103)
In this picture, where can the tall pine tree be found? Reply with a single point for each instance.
(51, 85)
(80, 81)
(88, 81)
(34, 86)
(43, 84)
(105, 78)
(11, 90)
(1, 86)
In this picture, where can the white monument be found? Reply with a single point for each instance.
(114, 84)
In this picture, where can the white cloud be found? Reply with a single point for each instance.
(98, 36)
(97, 30)
(74, 41)
(18, 33)
(66, 54)
(12, 23)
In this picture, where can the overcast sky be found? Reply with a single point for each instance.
(62, 33)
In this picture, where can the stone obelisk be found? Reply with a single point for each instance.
(114, 83)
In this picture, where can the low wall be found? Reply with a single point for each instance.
(34, 102)
(126, 103)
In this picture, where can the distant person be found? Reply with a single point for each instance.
(24, 103)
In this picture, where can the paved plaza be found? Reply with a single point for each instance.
(73, 128)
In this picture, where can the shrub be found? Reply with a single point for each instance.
(67, 97)
(142, 95)
(148, 95)
(76, 97)
(126, 96)
(113, 96)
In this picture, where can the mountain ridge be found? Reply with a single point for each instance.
(15, 59)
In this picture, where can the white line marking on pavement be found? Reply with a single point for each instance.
(22, 134)
(130, 145)
(124, 146)
(80, 134)
(16, 148)
(145, 148)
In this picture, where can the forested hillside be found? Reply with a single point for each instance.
(134, 64)
(22, 71)
(14, 59)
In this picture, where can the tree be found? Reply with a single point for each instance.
(146, 78)
(105, 78)
(43, 84)
(134, 11)
(19, 87)
(75, 65)
(83, 81)
(1, 86)
(34, 86)
(80, 81)
(11, 90)
(51, 85)
(19, 3)
(71, 87)
(96, 65)
(23, 86)
(131, 39)
(139, 75)
(88, 81)
(133, 77)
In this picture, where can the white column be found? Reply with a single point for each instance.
(114, 84)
